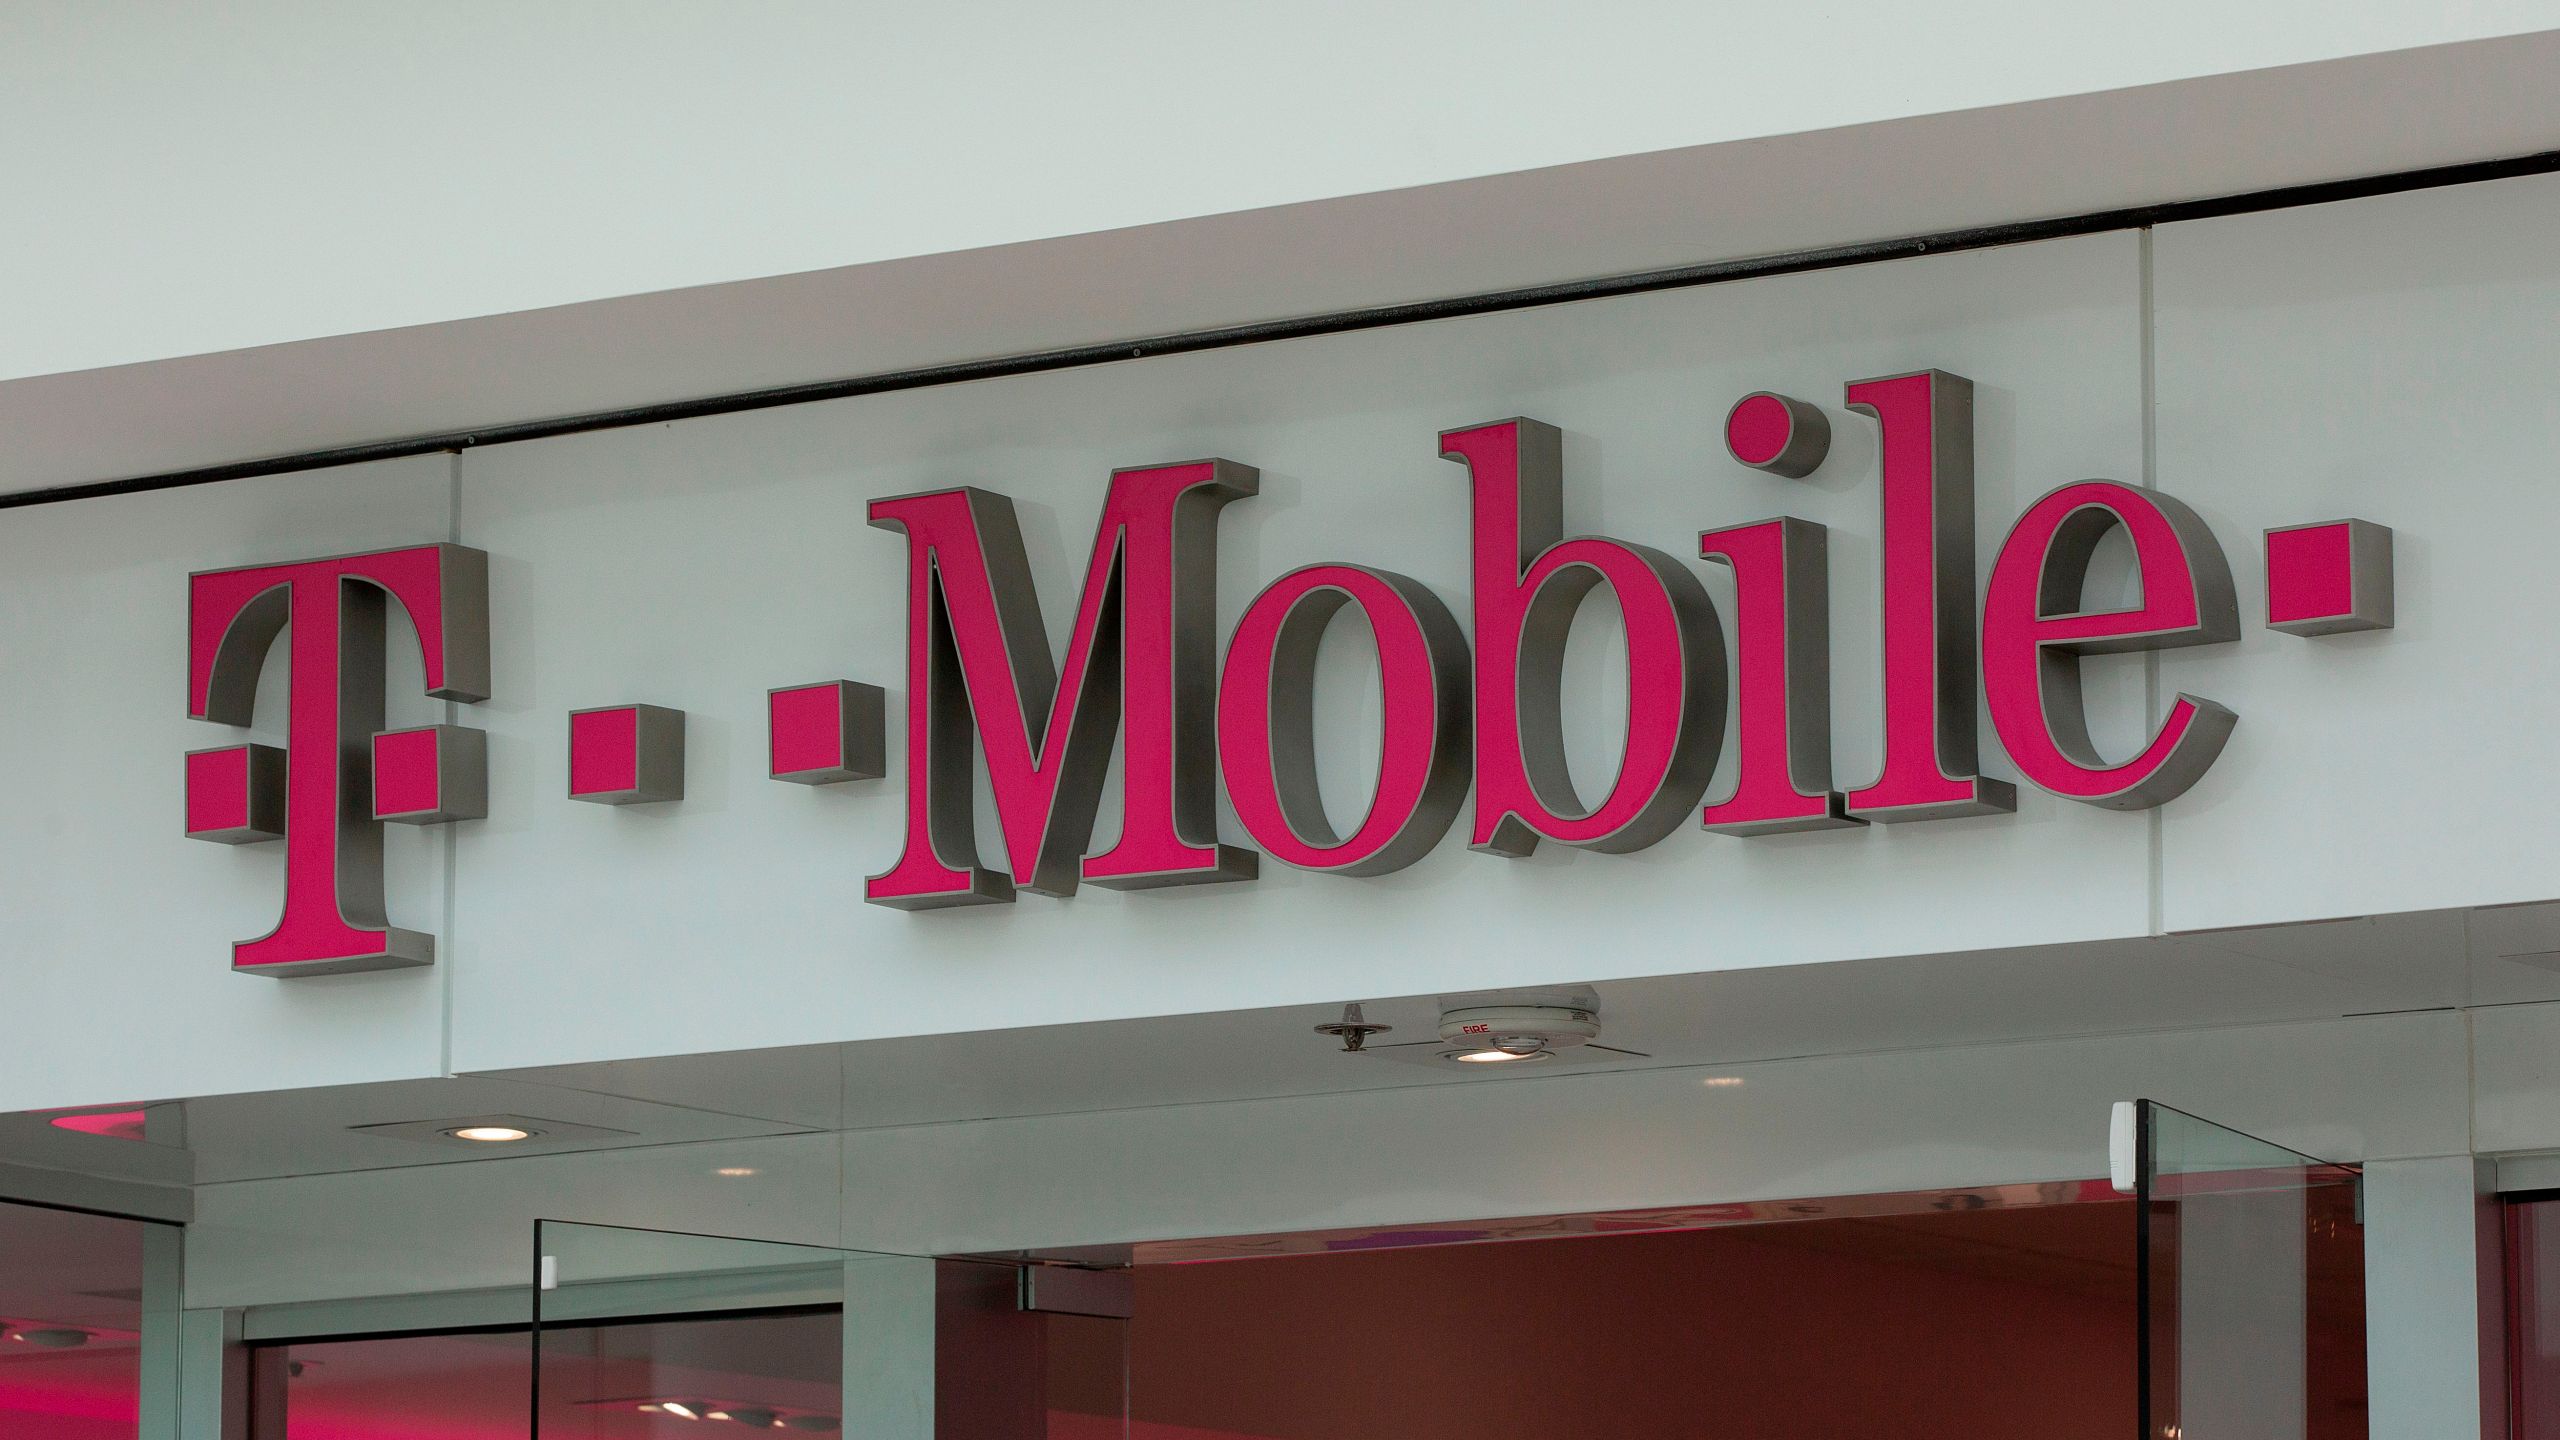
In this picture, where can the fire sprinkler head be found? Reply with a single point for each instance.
(1353, 1029)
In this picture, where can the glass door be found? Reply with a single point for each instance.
(653, 1335)
(2250, 1282)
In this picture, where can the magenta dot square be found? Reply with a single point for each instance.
(808, 728)
(430, 775)
(404, 772)
(626, 754)
(827, 732)
(2329, 577)
(217, 789)
(604, 751)
(235, 794)
(2309, 575)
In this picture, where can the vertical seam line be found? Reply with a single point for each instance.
(2156, 857)
(452, 842)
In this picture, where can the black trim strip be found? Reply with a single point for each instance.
(370, 1337)
(1334, 323)
(20, 1202)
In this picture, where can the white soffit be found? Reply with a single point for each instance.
(2433, 960)
(2225, 134)
(1720, 1025)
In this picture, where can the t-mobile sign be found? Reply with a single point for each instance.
(1472, 684)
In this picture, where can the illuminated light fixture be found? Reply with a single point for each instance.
(1506, 1034)
(1721, 1082)
(1504, 1050)
(1489, 1029)
(752, 1414)
(736, 1172)
(492, 1127)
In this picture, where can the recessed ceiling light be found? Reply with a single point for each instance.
(680, 1410)
(484, 1129)
(735, 1172)
(1498, 1057)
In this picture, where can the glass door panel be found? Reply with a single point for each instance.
(653, 1335)
(646, 1335)
(2250, 1267)
(87, 1333)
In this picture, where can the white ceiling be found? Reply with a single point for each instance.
(192, 179)
(2224, 134)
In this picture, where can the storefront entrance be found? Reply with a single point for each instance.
(2214, 1288)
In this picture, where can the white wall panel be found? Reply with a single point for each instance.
(2435, 1338)
(115, 929)
(697, 565)
(2389, 359)
(2516, 1088)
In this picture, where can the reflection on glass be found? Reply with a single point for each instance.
(654, 1335)
(2253, 1287)
(650, 1335)
(698, 1379)
(70, 1325)
(411, 1387)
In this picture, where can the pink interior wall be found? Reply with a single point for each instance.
(1984, 1325)
(70, 1394)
